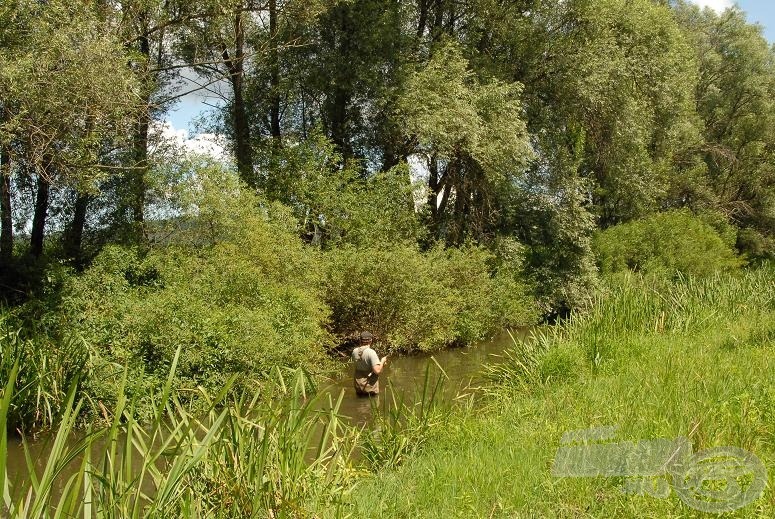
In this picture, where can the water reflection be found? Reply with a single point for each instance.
(405, 375)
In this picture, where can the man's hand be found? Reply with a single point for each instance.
(384, 360)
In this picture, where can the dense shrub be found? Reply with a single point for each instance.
(755, 246)
(238, 292)
(670, 242)
(423, 300)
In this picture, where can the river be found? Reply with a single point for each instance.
(403, 377)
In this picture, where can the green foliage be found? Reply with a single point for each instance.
(557, 231)
(734, 98)
(245, 456)
(341, 205)
(421, 300)
(238, 292)
(630, 76)
(611, 81)
(471, 137)
(655, 303)
(561, 365)
(536, 361)
(66, 90)
(756, 246)
(449, 111)
(232, 285)
(670, 242)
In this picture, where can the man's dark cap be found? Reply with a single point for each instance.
(366, 337)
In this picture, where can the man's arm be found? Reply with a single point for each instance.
(380, 363)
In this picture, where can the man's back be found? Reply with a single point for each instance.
(365, 379)
(364, 358)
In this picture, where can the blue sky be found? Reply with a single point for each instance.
(762, 11)
(759, 11)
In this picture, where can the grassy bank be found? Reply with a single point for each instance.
(657, 359)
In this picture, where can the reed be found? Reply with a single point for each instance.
(49, 370)
(247, 456)
(659, 358)
(399, 429)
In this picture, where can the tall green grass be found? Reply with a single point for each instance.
(400, 429)
(657, 358)
(630, 305)
(244, 457)
(49, 369)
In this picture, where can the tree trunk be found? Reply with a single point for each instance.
(140, 168)
(274, 80)
(338, 117)
(240, 122)
(139, 173)
(437, 30)
(422, 20)
(39, 220)
(338, 109)
(389, 158)
(6, 219)
(433, 187)
(73, 238)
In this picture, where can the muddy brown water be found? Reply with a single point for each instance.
(403, 378)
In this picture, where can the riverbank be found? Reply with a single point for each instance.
(285, 449)
(656, 358)
(243, 308)
(692, 359)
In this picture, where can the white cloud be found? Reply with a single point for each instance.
(717, 5)
(169, 140)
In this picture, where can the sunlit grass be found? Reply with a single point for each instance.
(658, 359)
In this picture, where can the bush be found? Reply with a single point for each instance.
(423, 301)
(669, 242)
(238, 291)
(755, 246)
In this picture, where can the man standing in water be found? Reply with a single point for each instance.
(368, 366)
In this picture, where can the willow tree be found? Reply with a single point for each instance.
(624, 79)
(240, 47)
(735, 97)
(471, 137)
(67, 91)
(15, 20)
(148, 30)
